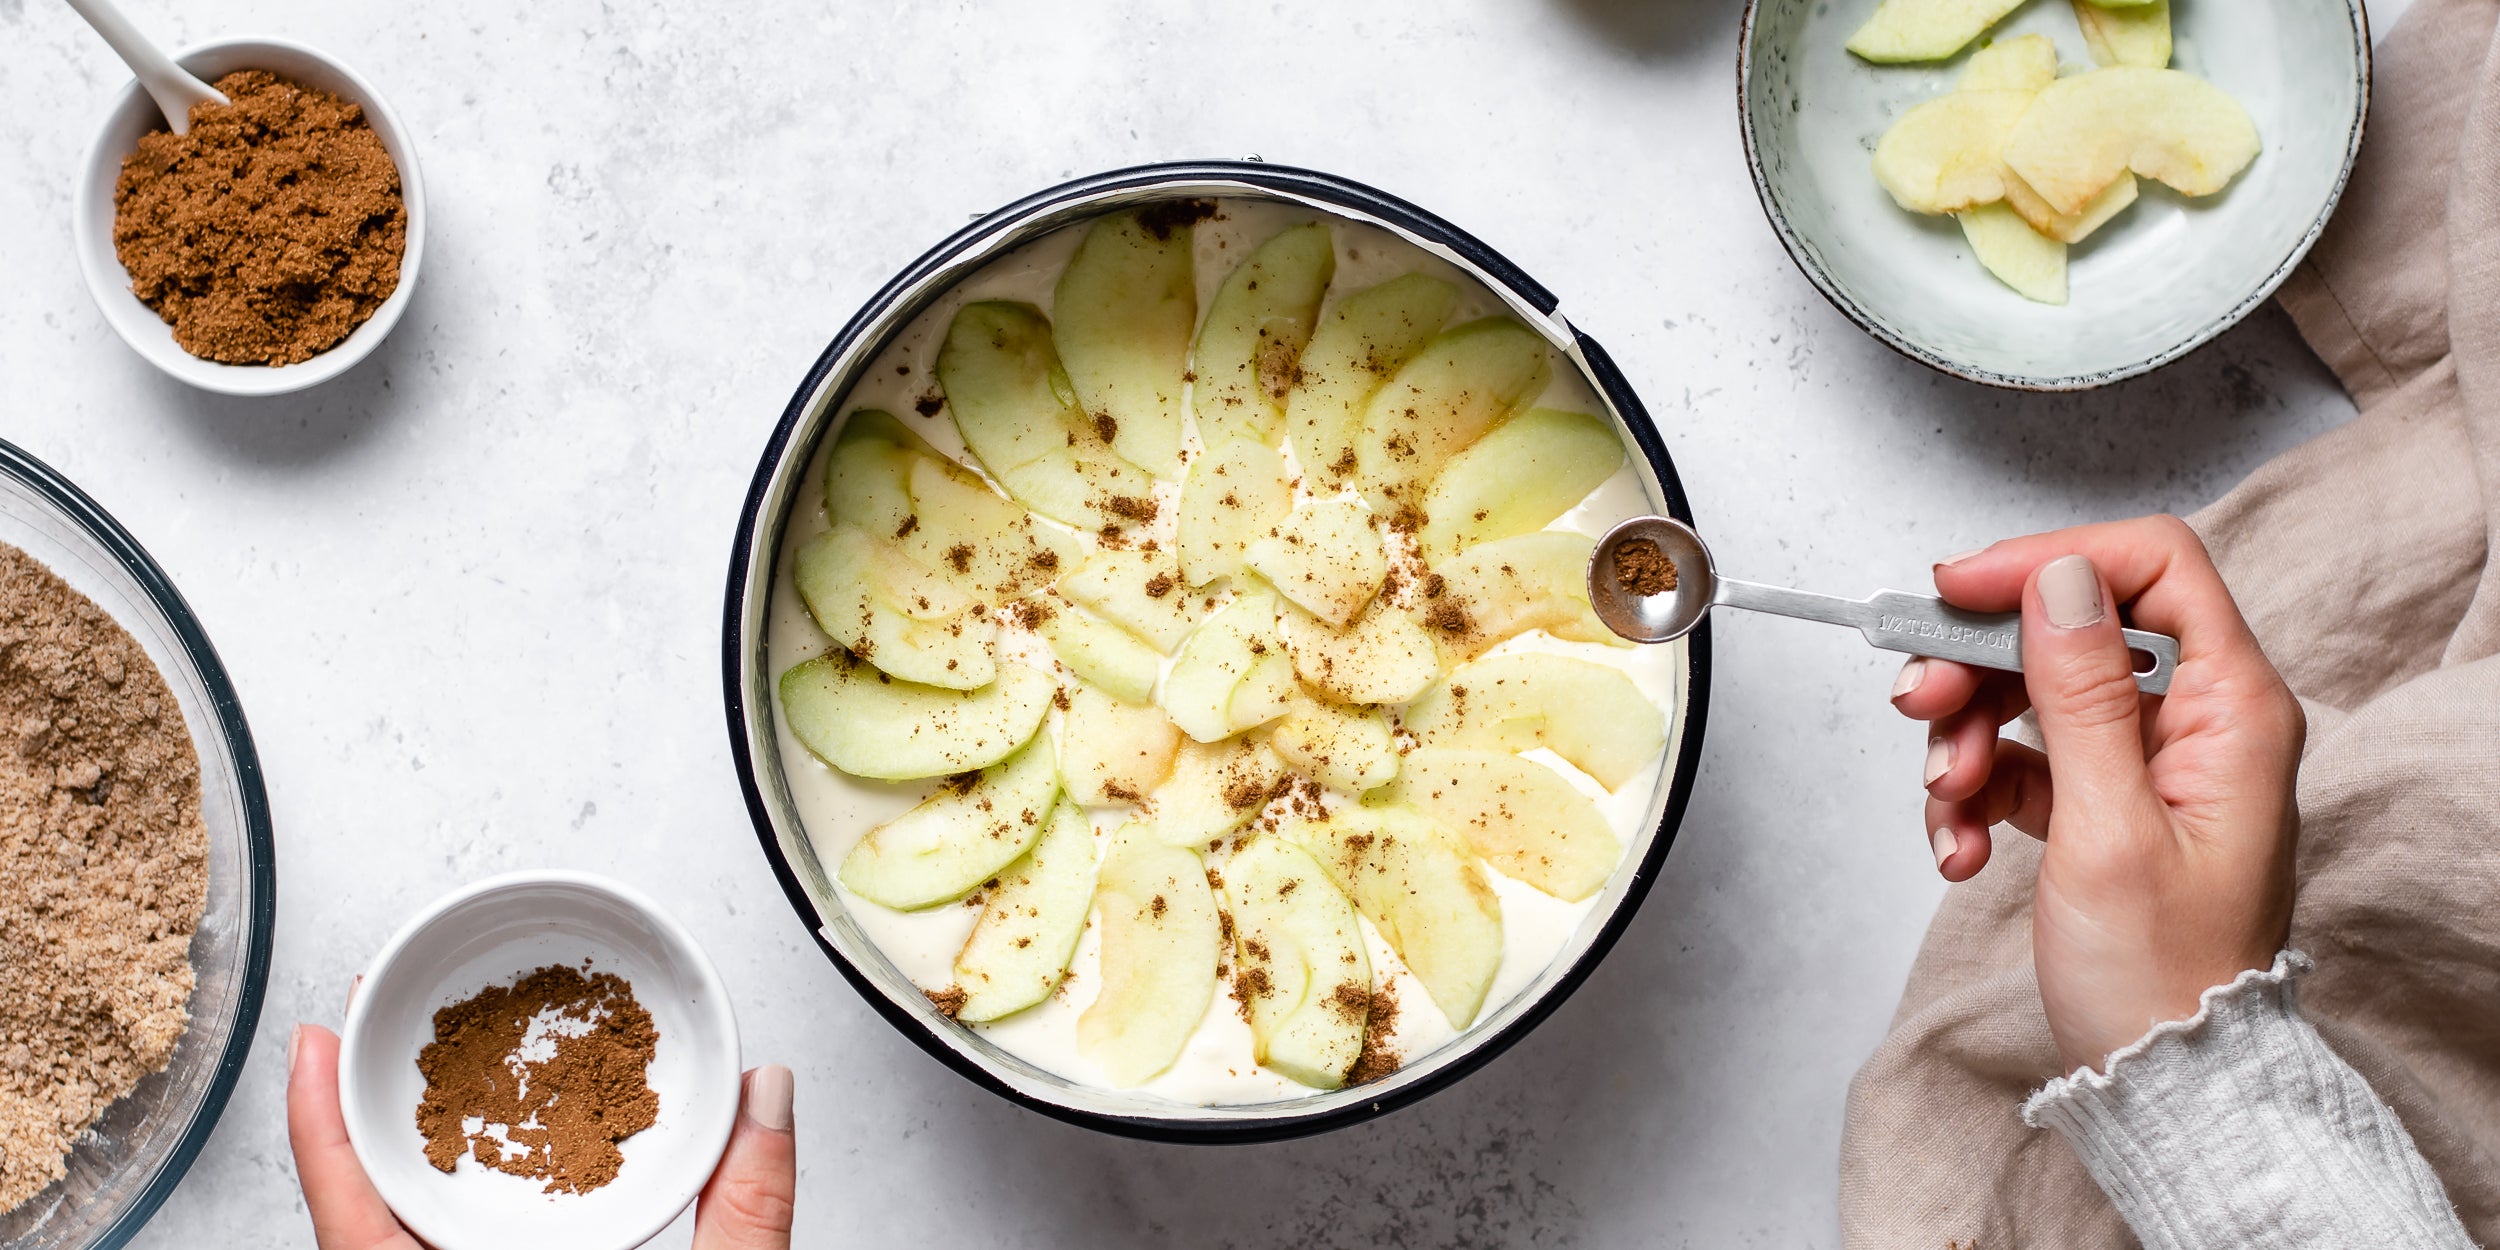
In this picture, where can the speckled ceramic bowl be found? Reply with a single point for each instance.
(2151, 286)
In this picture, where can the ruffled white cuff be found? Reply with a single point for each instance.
(2239, 1127)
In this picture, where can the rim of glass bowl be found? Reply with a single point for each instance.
(260, 848)
(885, 314)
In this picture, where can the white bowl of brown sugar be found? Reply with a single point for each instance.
(541, 1058)
(273, 247)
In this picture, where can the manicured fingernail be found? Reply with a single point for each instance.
(1958, 557)
(1939, 759)
(293, 1041)
(352, 987)
(1912, 674)
(768, 1097)
(1944, 843)
(2071, 592)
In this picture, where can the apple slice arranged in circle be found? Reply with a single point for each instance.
(959, 837)
(872, 724)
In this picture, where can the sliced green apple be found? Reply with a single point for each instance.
(1517, 479)
(1506, 587)
(2022, 63)
(1301, 968)
(960, 837)
(1382, 657)
(1111, 751)
(1467, 380)
(1261, 319)
(2130, 34)
(1218, 661)
(2021, 257)
(870, 724)
(1343, 746)
(891, 612)
(1019, 949)
(1422, 888)
(1945, 155)
(1522, 817)
(1125, 306)
(1234, 493)
(1139, 590)
(1586, 713)
(1266, 691)
(1004, 384)
(868, 476)
(1215, 788)
(1325, 556)
(1361, 342)
(1098, 651)
(966, 533)
(1925, 30)
(2082, 132)
(2068, 227)
(1159, 946)
(1017, 412)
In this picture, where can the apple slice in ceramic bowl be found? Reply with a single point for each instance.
(2180, 262)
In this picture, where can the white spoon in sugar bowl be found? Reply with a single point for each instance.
(174, 88)
(1651, 579)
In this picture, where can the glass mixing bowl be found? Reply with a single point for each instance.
(125, 1165)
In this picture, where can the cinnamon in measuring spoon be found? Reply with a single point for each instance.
(1642, 569)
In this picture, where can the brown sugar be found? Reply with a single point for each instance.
(1642, 569)
(554, 1066)
(103, 871)
(270, 231)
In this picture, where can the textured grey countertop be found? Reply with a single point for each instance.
(470, 592)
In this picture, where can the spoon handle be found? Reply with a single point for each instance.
(174, 88)
(1897, 620)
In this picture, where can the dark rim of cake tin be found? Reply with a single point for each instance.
(1337, 192)
(260, 846)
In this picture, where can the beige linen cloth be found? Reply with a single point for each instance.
(2363, 561)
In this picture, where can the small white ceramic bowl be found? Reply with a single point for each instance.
(2149, 287)
(135, 114)
(491, 933)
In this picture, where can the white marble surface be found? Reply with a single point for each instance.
(470, 592)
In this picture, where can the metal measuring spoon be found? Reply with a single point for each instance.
(1891, 619)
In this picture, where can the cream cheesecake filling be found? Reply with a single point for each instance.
(1216, 1067)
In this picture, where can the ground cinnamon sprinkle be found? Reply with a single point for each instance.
(1642, 569)
(1449, 616)
(1378, 1057)
(103, 871)
(555, 1066)
(270, 231)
